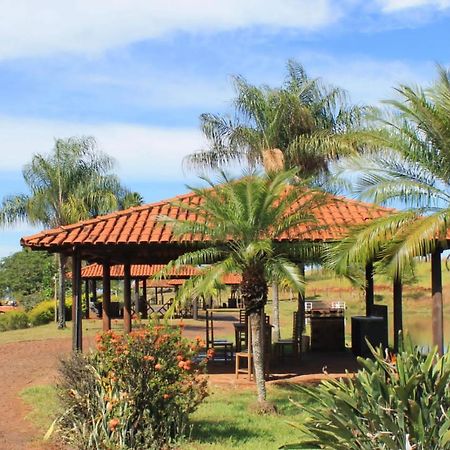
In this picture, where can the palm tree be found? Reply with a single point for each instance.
(304, 119)
(72, 183)
(129, 199)
(407, 162)
(240, 221)
(304, 125)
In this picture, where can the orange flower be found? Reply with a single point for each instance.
(181, 364)
(180, 357)
(149, 358)
(113, 424)
(166, 396)
(187, 365)
(158, 366)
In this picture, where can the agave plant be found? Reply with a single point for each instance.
(393, 402)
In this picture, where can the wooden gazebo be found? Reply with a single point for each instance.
(135, 237)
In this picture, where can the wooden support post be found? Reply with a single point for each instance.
(144, 300)
(86, 294)
(106, 310)
(127, 298)
(137, 303)
(369, 289)
(437, 300)
(94, 292)
(77, 329)
(301, 305)
(195, 308)
(398, 310)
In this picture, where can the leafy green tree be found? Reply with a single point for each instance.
(241, 221)
(304, 119)
(407, 162)
(71, 183)
(28, 276)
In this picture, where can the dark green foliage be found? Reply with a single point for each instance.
(14, 320)
(393, 402)
(28, 276)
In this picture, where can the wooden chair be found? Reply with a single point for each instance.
(222, 344)
(294, 343)
(247, 353)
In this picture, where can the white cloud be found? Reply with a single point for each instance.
(389, 6)
(367, 80)
(152, 153)
(31, 28)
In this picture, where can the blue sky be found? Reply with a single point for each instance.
(136, 74)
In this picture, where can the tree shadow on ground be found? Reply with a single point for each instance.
(212, 432)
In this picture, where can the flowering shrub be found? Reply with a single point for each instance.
(135, 392)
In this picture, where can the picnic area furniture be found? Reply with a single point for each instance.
(246, 354)
(294, 343)
(327, 333)
(225, 346)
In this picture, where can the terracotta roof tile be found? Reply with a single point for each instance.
(139, 224)
(176, 277)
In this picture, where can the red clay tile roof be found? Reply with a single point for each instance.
(139, 225)
(137, 271)
(148, 270)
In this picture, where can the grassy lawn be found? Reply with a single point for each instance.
(223, 421)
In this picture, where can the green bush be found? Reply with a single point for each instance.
(135, 392)
(42, 313)
(393, 402)
(14, 320)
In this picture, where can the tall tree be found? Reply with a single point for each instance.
(407, 163)
(241, 220)
(72, 183)
(27, 276)
(304, 119)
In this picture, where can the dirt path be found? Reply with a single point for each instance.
(24, 364)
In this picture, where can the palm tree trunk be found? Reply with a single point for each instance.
(258, 354)
(254, 295)
(61, 291)
(276, 313)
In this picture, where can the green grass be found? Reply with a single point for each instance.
(50, 331)
(44, 404)
(223, 421)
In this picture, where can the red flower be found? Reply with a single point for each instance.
(113, 424)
